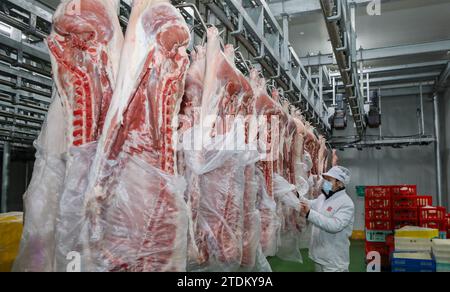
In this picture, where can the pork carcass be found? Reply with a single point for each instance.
(300, 167)
(322, 155)
(84, 45)
(267, 108)
(197, 253)
(252, 220)
(335, 159)
(134, 199)
(221, 171)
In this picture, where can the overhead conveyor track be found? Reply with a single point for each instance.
(337, 14)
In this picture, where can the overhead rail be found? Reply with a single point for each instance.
(342, 34)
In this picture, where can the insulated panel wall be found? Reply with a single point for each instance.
(411, 165)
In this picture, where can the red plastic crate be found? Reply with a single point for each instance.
(378, 204)
(405, 214)
(432, 213)
(402, 223)
(423, 201)
(381, 248)
(390, 242)
(379, 224)
(382, 201)
(434, 224)
(404, 190)
(378, 214)
(378, 191)
(404, 201)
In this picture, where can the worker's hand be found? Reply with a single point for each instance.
(304, 208)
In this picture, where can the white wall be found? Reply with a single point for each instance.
(388, 166)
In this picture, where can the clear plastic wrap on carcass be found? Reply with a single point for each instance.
(288, 207)
(261, 265)
(218, 171)
(270, 221)
(301, 179)
(37, 245)
(36, 252)
(142, 222)
(308, 161)
(71, 216)
(252, 219)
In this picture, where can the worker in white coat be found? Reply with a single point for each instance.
(332, 216)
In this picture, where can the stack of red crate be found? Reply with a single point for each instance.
(378, 207)
(433, 217)
(404, 206)
(448, 226)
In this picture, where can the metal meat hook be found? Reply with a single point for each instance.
(196, 12)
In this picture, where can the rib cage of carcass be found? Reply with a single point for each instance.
(162, 161)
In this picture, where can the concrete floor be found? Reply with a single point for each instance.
(357, 261)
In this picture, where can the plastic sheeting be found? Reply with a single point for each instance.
(288, 207)
(270, 222)
(222, 173)
(143, 221)
(301, 179)
(41, 198)
(71, 216)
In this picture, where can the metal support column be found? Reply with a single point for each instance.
(5, 177)
(438, 149)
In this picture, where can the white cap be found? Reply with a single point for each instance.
(340, 173)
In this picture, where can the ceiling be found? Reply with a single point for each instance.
(401, 22)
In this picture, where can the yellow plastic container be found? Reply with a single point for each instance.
(417, 232)
(11, 226)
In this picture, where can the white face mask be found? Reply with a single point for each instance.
(327, 187)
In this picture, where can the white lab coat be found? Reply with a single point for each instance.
(332, 221)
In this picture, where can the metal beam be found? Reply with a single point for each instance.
(297, 8)
(382, 53)
(443, 78)
(409, 91)
(437, 133)
(40, 53)
(413, 77)
(404, 91)
(385, 143)
(406, 85)
(34, 6)
(27, 75)
(398, 67)
(407, 77)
